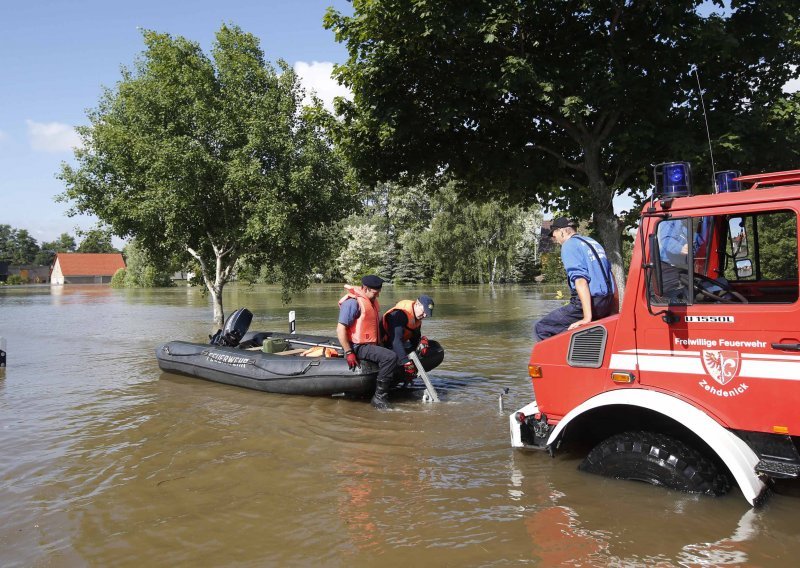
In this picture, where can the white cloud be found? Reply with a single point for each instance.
(316, 76)
(52, 136)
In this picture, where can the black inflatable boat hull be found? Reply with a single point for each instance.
(246, 366)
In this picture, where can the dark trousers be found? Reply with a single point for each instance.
(559, 320)
(386, 359)
(674, 289)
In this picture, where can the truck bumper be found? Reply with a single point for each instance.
(528, 432)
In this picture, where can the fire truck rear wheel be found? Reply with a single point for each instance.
(657, 459)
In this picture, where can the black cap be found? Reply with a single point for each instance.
(372, 281)
(427, 304)
(560, 223)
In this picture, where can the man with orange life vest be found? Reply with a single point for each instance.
(402, 326)
(359, 333)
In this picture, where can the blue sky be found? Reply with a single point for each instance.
(56, 55)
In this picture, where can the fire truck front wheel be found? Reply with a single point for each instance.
(657, 459)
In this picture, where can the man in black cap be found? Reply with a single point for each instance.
(359, 332)
(590, 281)
(402, 326)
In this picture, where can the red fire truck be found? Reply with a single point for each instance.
(695, 383)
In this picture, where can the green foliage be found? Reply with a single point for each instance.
(213, 158)
(403, 214)
(17, 245)
(47, 254)
(553, 268)
(567, 104)
(96, 240)
(777, 247)
(423, 234)
(364, 254)
(16, 280)
(472, 242)
(119, 278)
(6, 248)
(143, 271)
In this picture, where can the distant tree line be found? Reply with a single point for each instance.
(432, 235)
(18, 247)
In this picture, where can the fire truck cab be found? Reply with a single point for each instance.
(695, 383)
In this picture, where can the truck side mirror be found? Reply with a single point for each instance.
(744, 268)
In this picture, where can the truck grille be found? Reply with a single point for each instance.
(587, 347)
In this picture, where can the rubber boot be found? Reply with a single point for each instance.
(380, 399)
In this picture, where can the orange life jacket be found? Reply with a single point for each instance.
(407, 307)
(366, 327)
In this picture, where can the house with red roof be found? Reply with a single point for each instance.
(85, 268)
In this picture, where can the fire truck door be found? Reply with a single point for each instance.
(731, 351)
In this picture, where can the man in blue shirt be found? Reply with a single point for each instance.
(673, 243)
(590, 281)
(359, 333)
(673, 248)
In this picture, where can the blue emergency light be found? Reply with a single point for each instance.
(673, 179)
(724, 181)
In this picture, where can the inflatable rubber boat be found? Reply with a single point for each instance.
(275, 362)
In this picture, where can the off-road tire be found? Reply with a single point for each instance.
(656, 459)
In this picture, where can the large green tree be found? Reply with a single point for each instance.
(97, 240)
(47, 254)
(472, 242)
(568, 103)
(215, 157)
(141, 271)
(17, 245)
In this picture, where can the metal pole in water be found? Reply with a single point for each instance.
(292, 323)
(502, 394)
(430, 391)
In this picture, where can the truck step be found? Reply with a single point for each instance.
(778, 469)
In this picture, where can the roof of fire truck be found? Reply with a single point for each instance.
(775, 178)
(772, 186)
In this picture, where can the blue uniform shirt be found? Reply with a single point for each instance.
(580, 262)
(672, 238)
(349, 311)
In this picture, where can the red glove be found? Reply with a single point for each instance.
(410, 371)
(352, 360)
(423, 346)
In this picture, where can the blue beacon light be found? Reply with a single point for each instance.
(673, 179)
(724, 181)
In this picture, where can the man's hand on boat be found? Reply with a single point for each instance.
(409, 371)
(352, 360)
(423, 346)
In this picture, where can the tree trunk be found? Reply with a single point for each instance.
(605, 220)
(608, 230)
(215, 289)
(219, 314)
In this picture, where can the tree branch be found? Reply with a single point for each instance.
(561, 159)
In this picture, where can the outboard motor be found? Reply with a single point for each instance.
(235, 327)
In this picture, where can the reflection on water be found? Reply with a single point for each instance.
(104, 460)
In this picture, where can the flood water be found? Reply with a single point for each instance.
(107, 461)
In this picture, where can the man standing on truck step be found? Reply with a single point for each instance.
(590, 281)
(402, 325)
(359, 333)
